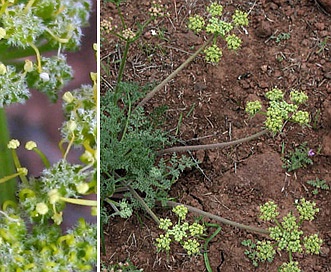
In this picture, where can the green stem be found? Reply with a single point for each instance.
(143, 203)
(8, 188)
(173, 74)
(121, 69)
(205, 246)
(220, 219)
(211, 146)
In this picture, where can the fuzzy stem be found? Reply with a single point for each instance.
(142, 202)
(211, 146)
(173, 74)
(8, 188)
(219, 219)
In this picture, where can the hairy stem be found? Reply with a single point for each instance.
(220, 219)
(211, 146)
(173, 74)
(143, 203)
(8, 188)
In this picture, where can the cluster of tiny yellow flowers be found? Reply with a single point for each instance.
(157, 9)
(128, 34)
(107, 26)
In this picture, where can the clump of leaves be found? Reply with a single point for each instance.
(128, 147)
(182, 232)
(218, 27)
(282, 37)
(298, 158)
(287, 235)
(251, 252)
(279, 111)
(318, 184)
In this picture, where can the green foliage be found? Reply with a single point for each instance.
(298, 158)
(282, 37)
(279, 111)
(129, 142)
(286, 235)
(318, 184)
(218, 28)
(182, 232)
(251, 252)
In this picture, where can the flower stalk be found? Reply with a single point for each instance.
(9, 187)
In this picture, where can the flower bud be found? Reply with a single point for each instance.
(71, 125)
(54, 196)
(2, 33)
(41, 208)
(68, 97)
(30, 145)
(82, 187)
(28, 66)
(22, 171)
(3, 69)
(13, 144)
(44, 76)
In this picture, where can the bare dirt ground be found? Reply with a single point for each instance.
(237, 179)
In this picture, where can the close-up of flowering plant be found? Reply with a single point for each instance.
(32, 208)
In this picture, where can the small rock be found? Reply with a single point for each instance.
(263, 30)
(264, 68)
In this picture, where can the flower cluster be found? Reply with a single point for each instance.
(307, 209)
(287, 234)
(36, 25)
(128, 34)
(280, 111)
(183, 232)
(157, 9)
(45, 247)
(219, 28)
(43, 199)
(106, 25)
